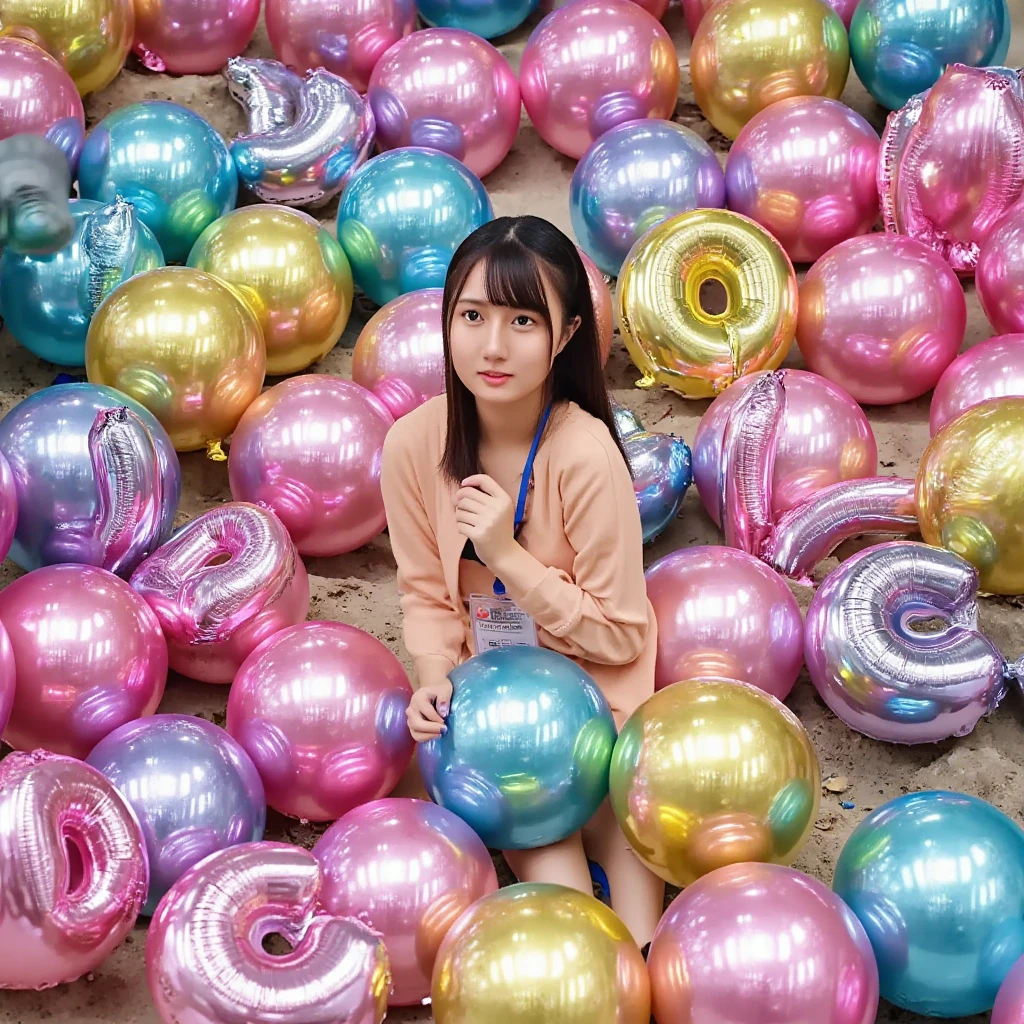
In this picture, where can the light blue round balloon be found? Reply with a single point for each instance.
(487, 18)
(937, 880)
(403, 215)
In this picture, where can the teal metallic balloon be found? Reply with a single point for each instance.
(525, 759)
(937, 881)
(402, 217)
(490, 19)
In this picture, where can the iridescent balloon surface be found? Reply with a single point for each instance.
(661, 477)
(488, 20)
(266, 90)
(999, 275)
(7, 678)
(193, 37)
(8, 507)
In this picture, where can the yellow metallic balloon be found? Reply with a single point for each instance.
(970, 492)
(91, 38)
(710, 772)
(186, 346)
(294, 275)
(670, 335)
(540, 954)
(748, 54)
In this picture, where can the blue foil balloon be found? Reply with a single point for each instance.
(662, 474)
(901, 47)
(487, 18)
(193, 788)
(169, 163)
(48, 301)
(636, 176)
(937, 880)
(526, 755)
(402, 217)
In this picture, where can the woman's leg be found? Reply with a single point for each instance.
(562, 863)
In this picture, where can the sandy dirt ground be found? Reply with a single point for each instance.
(359, 588)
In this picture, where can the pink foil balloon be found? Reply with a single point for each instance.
(8, 507)
(1009, 1006)
(320, 709)
(407, 869)
(1000, 273)
(592, 65)
(722, 613)
(992, 369)
(826, 438)
(601, 296)
(347, 37)
(310, 449)
(220, 586)
(845, 9)
(883, 316)
(694, 11)
(88, 654)
(73, 874)
(804, 168)
(7, 678)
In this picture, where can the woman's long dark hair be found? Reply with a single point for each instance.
(514, 249)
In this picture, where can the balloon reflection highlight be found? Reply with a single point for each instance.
(999, 275)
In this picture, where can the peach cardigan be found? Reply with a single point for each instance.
(581, 521)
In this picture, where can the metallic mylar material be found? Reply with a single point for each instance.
(189, 37)
(7, 678)
(1009, 1004)
(266, 90)
(488, 20)
(627, 422)
(999, 275)
(661, 477)
(8, 509)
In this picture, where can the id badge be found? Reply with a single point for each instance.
(499, 622)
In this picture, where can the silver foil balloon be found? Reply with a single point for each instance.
(881, 676)
(662, 472)
(266, 90)
(627, 422)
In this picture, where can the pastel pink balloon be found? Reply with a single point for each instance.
(1000, 273)
(320, 709)
(883, 316)
(592, 65)
(694, 11)
(601, 296)
(193, 37)
(407, 869)
(88, 654)
(826, 438)
(7, 678)
(845, 9)
(657, 8)
(8, 507)
(310, 449)
(1009, 1005)
(991, 369)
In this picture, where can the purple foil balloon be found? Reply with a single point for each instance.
(7, 678)
(1009, 1006)
(407, 869)
(952, 161)
(320, 708)
(999, 275)
(223, 584)
(880, 675)
(8, 507)
(73, 870)
(993, 369)
(804, 168)
(205, 961)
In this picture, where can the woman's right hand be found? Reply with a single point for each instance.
(428, 709)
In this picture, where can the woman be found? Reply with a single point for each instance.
(524, 378)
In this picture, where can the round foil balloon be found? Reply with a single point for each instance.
(724, 613)
(540, 953)
(94, 477)
(184, 37)
(291, 272)
(7, 680)
(169, 163)
(999, 275)
(970, 493)
(347, 37)
(224, 583)
(320, 708)
(72, 870)
(399, 355)
(993, 369)
(205, 961)
(601, 296)
(882, 316)
(191, 786)
(635, 176)
(407, 869)
(710, 772)
(752, 53)
(487, 20)
(525, 757)
(590, 66)
(662, 474)
(8, 507)
(937, 881)
(88, 655)
(693, 12)
(447, 89)
(804, 168)
(183, 344)
(1009, 1004)
(310, 449)
(732, 938)
(670, 334)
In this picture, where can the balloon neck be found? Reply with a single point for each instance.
(214, 452)
(1014, 671)
(646, 381)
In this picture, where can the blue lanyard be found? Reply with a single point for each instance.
(524, 486)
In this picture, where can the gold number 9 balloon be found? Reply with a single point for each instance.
(671, 337)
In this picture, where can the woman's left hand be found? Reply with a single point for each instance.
(485, 514)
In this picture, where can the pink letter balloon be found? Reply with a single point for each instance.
(7, 678)
(592, 65)
(751, 943)
(310, 449)
(320, 708)
(8, 507)
(205, 961)
(883, 316)
(1009, 1007)
(993, 369)
(193, 37)
(73, 872)
(1000, 273)
(408, 869)
(88, 654)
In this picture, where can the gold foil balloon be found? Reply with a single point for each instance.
(540, 954)
(970, 492)
(292, 273)
(670, 335)
(710, 772)
(184, 345)
(748, 54)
